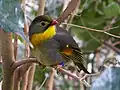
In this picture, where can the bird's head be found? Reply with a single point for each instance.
(41, 29)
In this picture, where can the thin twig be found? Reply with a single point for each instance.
(43, 83)
(116, 43)
(113, 21)
(89, 75)
(112, 35)
(15, 45)
(112, 47)
(96, 30)
(74, 76)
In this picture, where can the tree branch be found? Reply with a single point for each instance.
(89, 75)
(50, 80)
(96, 30)
(70, 8)
(24, 74)
(116, 43)
(7, 59)
(25, 80)
(73, 76)
(41, 7)
(23, 61)
(31, 76)
(112, 47)
(16, 79)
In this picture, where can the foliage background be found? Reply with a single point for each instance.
(100, 15)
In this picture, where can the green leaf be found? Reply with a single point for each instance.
(21, 39)
(39, 75)
(81, 33)
(112, 10)
(91, 45)
(93, 21)
(90, 19)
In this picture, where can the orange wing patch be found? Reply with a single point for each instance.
(67, 51)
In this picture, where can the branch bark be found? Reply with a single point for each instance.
(25, 80)
(70, 18)
(31, 76)
(73, 76)
(16, 79)
(70, 8)
(50, 81)
(23, 61)
(7, 59)
(112, 47)
(41, 7)
(15, 46)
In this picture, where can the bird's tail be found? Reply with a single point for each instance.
(78, 60)
(81, 67)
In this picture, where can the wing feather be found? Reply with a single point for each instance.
(64, 38)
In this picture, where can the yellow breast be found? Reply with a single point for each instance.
(40, 37)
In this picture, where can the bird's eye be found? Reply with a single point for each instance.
(42, 23)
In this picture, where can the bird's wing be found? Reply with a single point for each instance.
(69, 48)
(64, 37)
(68, 45)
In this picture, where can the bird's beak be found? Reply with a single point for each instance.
(54, 22)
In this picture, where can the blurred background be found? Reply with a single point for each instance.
(95, 26)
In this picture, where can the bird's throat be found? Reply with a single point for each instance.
(38, 38)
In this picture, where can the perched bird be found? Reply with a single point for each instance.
(52, 44)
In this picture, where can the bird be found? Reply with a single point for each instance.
(54, 45)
